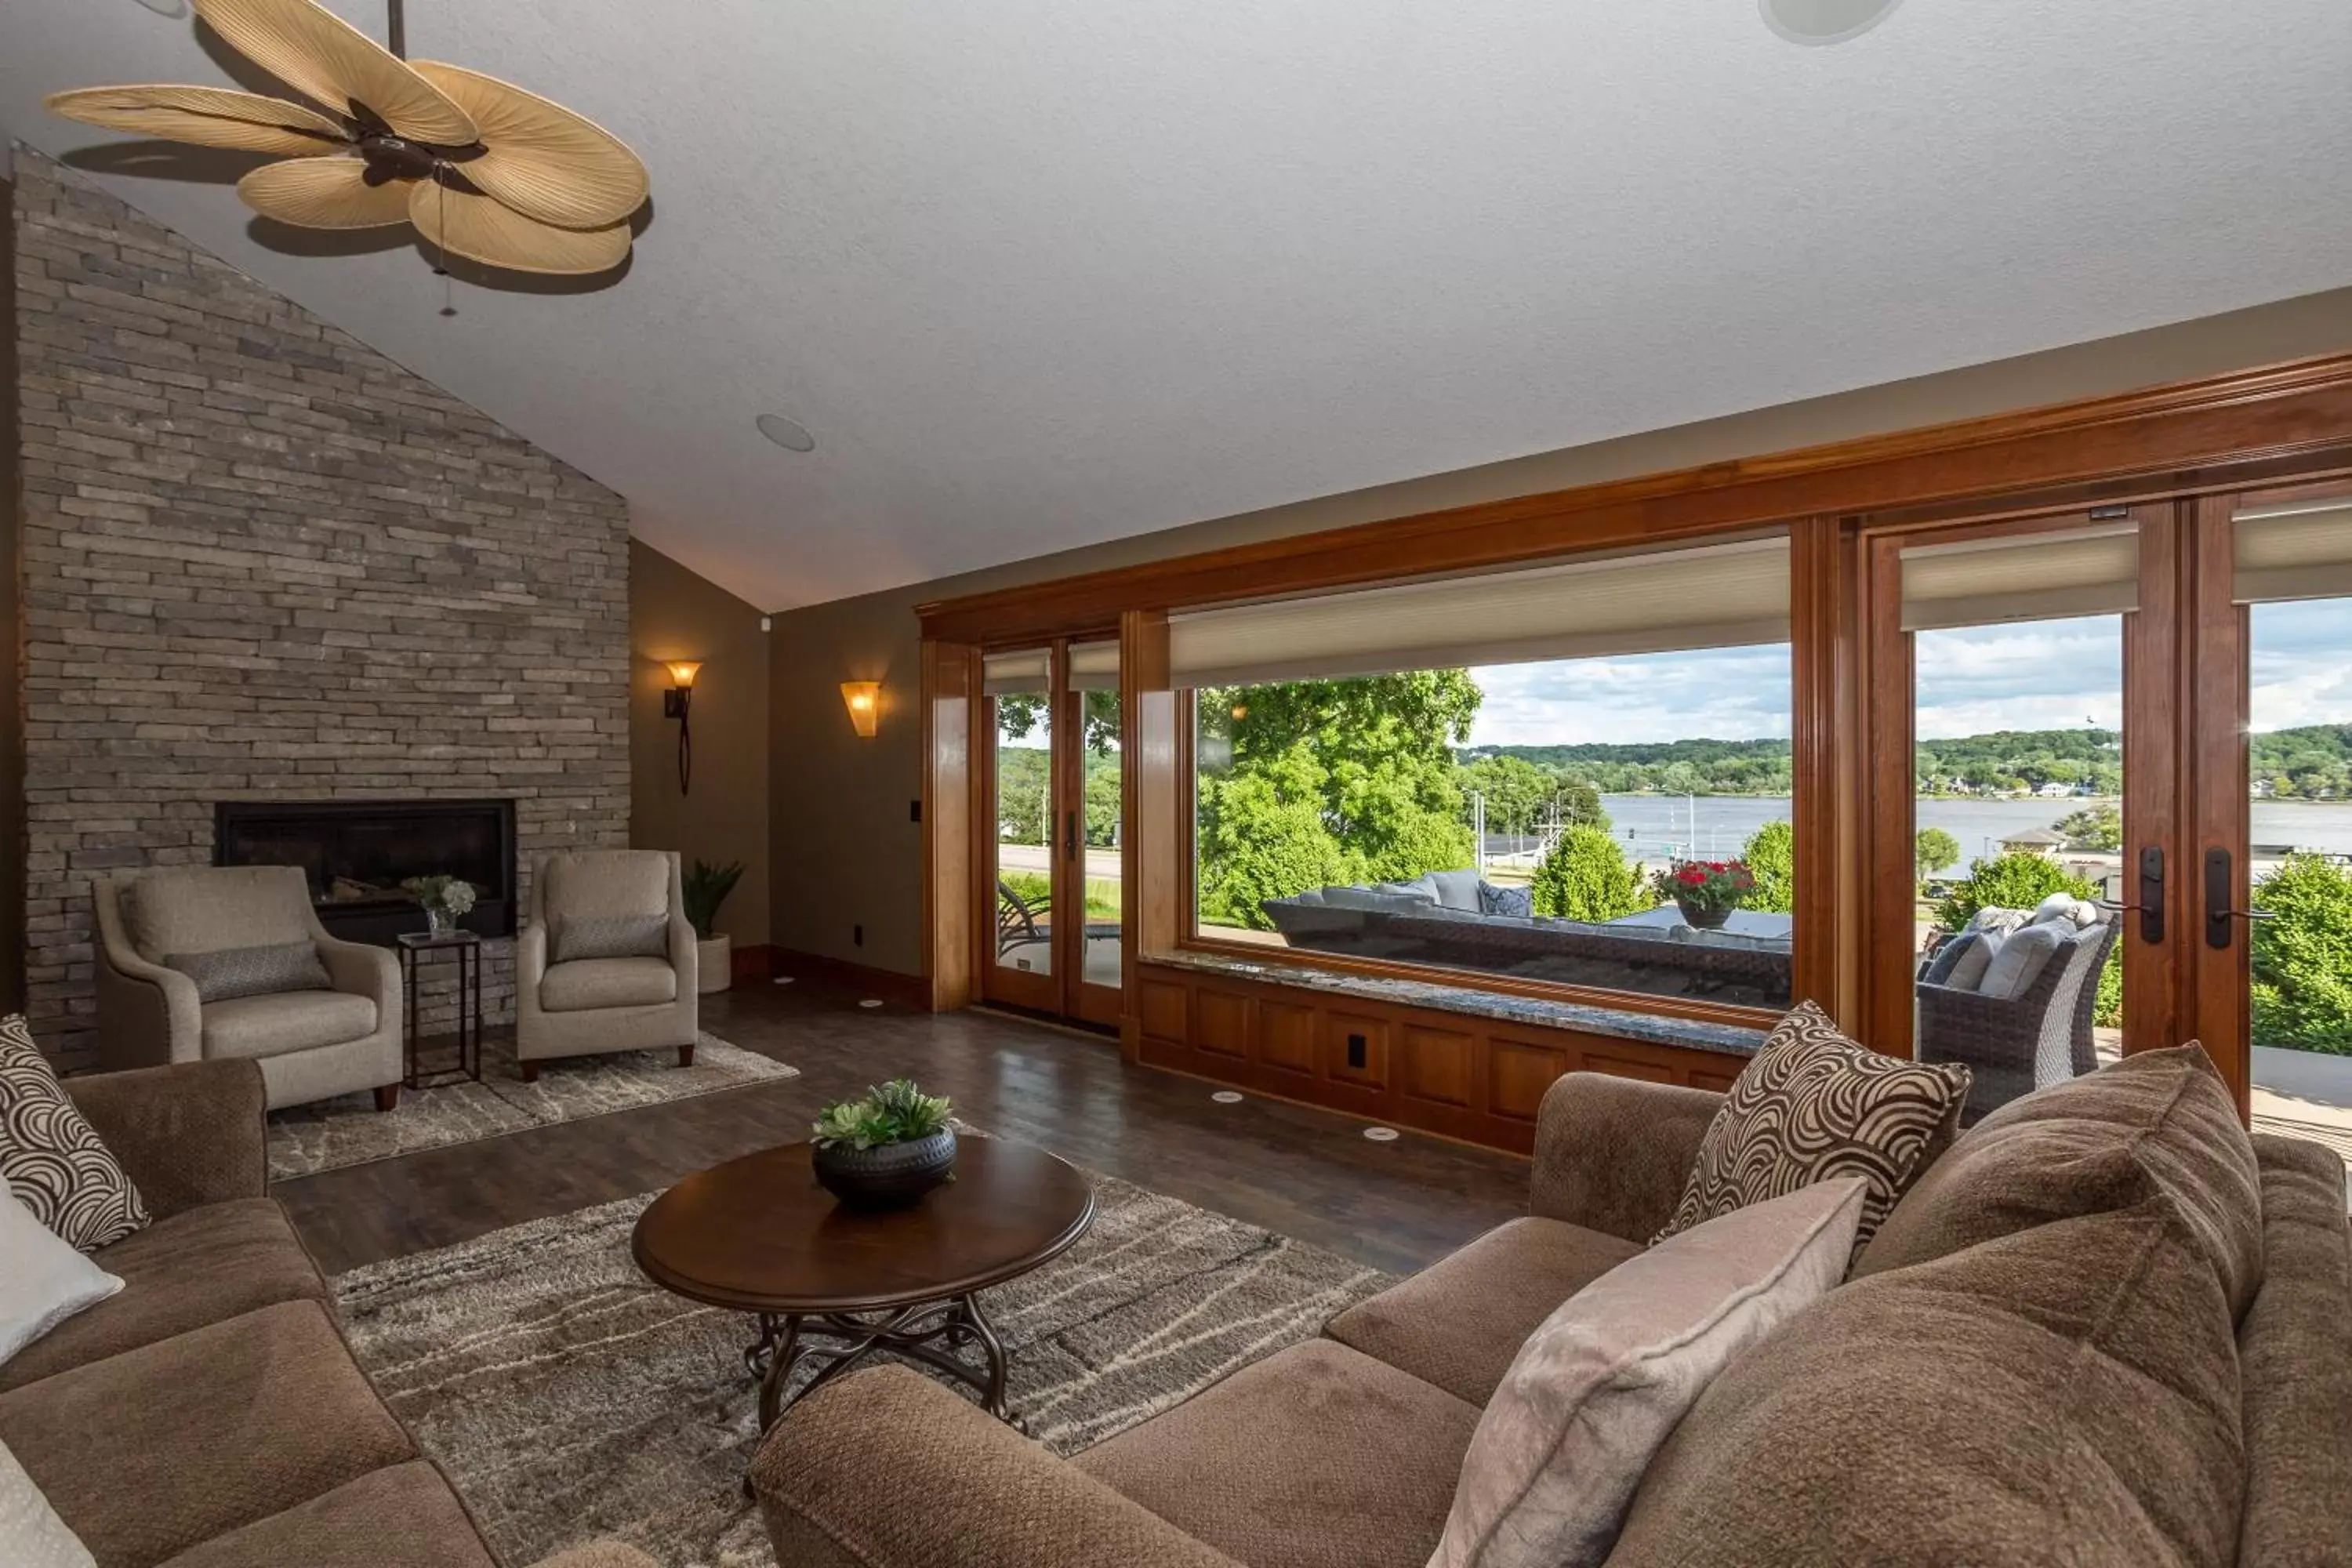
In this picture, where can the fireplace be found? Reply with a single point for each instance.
(356, 854)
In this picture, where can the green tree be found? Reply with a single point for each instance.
(2007, 882)
(1103, 800)
(2099, 826)
(1021, 783)
(1771, 856)
(1518, 794)
(1584, 876)
(2303, 957)
(1933, 850)
(1578, 802)
(1261, 835)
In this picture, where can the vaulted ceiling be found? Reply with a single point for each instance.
(1042, 272)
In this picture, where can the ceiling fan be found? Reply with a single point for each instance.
(482, 168)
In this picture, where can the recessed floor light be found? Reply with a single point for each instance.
(871, 1002)
(1226, 1097)
(1825, 21)
(1381, 1134)
(789, 434)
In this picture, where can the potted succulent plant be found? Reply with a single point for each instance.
(886, 1148)
(704, 888)
(1706, 891)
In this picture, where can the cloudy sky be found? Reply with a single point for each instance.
(2047, 675)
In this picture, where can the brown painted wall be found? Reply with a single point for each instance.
(723, 815)
(843, 844)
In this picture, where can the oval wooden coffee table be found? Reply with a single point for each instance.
(832, 1284)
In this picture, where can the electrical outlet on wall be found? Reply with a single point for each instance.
(858, 936)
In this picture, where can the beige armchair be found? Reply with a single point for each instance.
(607, 960)
(311, 1044)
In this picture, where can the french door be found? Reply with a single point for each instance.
(1051, 885)
(2024, 711)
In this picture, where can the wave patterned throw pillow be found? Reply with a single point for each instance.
(1813, 1105)
(52, 1158)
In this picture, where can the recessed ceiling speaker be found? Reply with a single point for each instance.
(1825, 21)
(789, 434)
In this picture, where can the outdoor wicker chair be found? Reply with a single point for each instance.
(2015, 1045)
(1019, 919)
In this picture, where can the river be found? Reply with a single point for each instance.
(1658, 827)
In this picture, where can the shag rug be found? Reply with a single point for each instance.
(568, 1397)
(349, 1130)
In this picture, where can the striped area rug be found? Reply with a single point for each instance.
(568, 1397)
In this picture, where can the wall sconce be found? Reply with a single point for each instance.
(675, 702)
(864, 699)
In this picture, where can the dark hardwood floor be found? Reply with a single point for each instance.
(1307, 1174)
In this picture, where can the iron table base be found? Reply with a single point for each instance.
(929, 1332)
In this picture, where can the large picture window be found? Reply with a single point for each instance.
(1593, 790)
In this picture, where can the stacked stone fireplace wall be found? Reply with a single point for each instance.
(260, 559)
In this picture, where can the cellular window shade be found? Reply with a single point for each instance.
(1720, 596)
(2302, 552)
(1094, 667)
(2034, 577)
(1012, 674)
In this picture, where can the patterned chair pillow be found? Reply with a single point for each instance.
(253, 970)
(52, 1158)
(1518, 903)
(610, 936)
(1813, 1105)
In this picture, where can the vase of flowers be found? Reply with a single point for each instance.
(444, 899)
(1705, 891)
(884, 1150)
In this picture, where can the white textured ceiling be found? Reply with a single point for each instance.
(1042, 272)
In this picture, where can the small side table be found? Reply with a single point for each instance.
(468, 948)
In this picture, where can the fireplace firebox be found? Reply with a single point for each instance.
(356, 853)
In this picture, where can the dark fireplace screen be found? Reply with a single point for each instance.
(356, 853)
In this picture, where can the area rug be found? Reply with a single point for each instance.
(349, 1130)
(568, 1397)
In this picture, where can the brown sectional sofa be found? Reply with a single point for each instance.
(209, 1415)
(2054, 1369)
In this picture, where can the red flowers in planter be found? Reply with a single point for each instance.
(1706, 884)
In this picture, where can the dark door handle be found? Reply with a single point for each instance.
(2218, 891)
(2150, 907)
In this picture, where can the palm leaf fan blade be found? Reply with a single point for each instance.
(208, 116)
(326, 59)
(324, 194)
(543, 160)
(465, 223)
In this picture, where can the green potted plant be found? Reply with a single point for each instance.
(1706, 891)
(886, 1148)
(704, 888)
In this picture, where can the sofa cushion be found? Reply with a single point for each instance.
(43, 1282)
(198, 1267)
(578, 937)
(1455, 889)
(403, 1516)
(287, 1021)
(592, 883)
(31, 1533)
(51, 1157)
(253, 970)
(593, 982)
(2155, 1125)
(1812, 1104)
(1511, 903)
(2020, 959)
(1599, 1387)
(147, 1453)
(2294, 1350)
(2069, 1394)
(1315, 1458)
(1977, 950)
(204, 908)
(1458, 1322)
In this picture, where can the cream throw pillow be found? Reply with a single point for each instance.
(42, 1280)
(1599, 1387)
(31, 1533)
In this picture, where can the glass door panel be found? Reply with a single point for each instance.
(2274, 920)
(2033, 710)
(1025, 866)
(1094, 810)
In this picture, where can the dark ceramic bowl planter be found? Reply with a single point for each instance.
(888, 1175)
(1699, 919)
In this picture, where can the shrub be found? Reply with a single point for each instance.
(1584, 876)
(1933, 850)
(2007, 882)
(1771, 856)
(1262, 836)
(2303, 957)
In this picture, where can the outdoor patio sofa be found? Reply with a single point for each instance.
(1440, 920)
(2015, 1044)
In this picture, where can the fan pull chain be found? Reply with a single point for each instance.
(448, 286)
